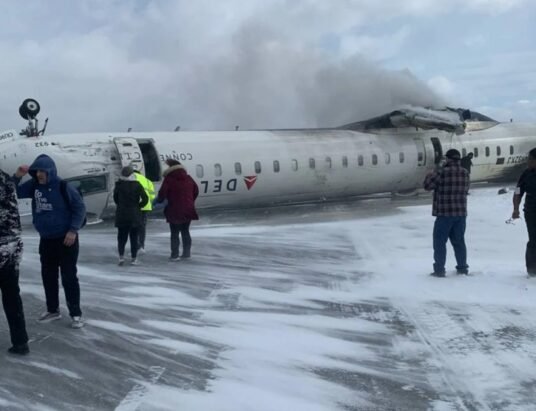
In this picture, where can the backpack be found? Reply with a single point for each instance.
(65, 196)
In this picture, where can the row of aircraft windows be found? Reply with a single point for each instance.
(487, 151)
(328, 163)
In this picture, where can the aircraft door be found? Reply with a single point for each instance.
(438, 150)
(130, 153)
(421, 152)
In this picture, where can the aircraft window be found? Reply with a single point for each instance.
(217, 170)
(311, 163)
(401, 157)
(476, 151)
(511, 150)
(487, 151)
(344, 161)
(276, 166)
(360, 160)
(374, 159)
(199, 171)
(258, 167)
(89, 185)
(387, 158)
(420, 156)
(328, 162)
(464, 152)
(238, 168)
(294, 165)
(498, 150)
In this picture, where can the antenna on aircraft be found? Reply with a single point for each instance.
(28, 110)
(177, 128)
(44, 127)
(236, 128)
(129, 130)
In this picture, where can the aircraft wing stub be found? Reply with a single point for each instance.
(452, 120)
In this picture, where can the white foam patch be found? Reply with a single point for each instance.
(177, 347)
(154, 297)
(117, 327)
(55, 370)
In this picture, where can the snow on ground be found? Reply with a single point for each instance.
(321, 307)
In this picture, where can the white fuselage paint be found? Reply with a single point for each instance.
(281, 166)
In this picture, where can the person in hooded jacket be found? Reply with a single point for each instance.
(180, 191)
(130, 198)
(57, 221)
(10, 255)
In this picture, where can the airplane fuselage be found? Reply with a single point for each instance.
(253, 168)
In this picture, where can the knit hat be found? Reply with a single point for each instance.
(127, 171)
(453, 154)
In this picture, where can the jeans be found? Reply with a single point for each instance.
(123, 233)
(56, 257)
(453, 229)
(142, 229)
(184, 230)
(530, 253)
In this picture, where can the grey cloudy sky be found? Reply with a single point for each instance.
(99, 65)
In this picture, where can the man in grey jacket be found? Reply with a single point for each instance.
(10, 255)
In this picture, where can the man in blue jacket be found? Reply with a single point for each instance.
(58, 213)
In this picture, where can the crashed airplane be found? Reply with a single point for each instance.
(389, 153)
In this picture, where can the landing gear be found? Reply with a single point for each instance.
(28, 110)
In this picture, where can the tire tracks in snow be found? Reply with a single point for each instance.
(484, 354)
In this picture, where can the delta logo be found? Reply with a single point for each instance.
(250, 181)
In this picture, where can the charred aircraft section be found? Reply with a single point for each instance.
(452, 120)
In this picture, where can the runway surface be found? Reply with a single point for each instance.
(313, 307)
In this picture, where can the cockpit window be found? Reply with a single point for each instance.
(89, 184)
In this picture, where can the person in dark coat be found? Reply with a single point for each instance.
(466, 162)
(10, 255)
(130, 198)
(527, 185)
(450, 185)
(180, 191)
(58, 214)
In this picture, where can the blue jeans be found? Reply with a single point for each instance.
(453, 229)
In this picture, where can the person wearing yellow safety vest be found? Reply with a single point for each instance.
(149, 190)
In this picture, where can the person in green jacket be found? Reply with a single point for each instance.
(148, 187)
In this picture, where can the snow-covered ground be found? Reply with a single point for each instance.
(301, 308)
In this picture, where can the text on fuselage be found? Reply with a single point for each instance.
(218, 186)
(516, 159)
(176, 156)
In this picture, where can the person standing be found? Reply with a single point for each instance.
(180, 190)
(10, 255)
(466, 162)
(130, 198)
(146, 209)
(450, 184)
(58, 213)
(527, 185)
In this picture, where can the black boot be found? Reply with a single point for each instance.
(20, 349)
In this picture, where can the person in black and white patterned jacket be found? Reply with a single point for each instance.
(10, 255)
